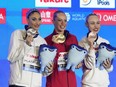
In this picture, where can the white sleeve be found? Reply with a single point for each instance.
(110, 69)
(17, 47)
(89, 60)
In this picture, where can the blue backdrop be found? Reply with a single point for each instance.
(76, 25)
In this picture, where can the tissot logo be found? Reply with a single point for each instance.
(2, 15)
(53, 3)
(107, 17)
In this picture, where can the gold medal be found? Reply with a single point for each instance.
(59, 38)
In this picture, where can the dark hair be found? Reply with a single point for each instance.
(31, 11)
(92, 14)
(57, 12)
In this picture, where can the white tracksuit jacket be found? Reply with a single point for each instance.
(94, 77)
(19, 54)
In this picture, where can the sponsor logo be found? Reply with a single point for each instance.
(53, 3)
(2, 15)
(78, 16)
(103, 2)
(97, 3)
(107, 17)
(46, 15)
(86, 2)
(68, 16)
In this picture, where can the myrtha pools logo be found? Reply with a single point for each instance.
(97, 3)
(102, 2)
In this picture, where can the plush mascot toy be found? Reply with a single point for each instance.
(105, 51)
(75, 56)
(46, 55)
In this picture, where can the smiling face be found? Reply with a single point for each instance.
(34, 20)
(60, 22)
(93, 23)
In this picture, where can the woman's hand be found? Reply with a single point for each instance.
(79, 65)
(29, 39)
(91, 38)
(49, 67)
(107, 63)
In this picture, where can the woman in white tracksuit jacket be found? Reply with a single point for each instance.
(92, 76)
(23, 54)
